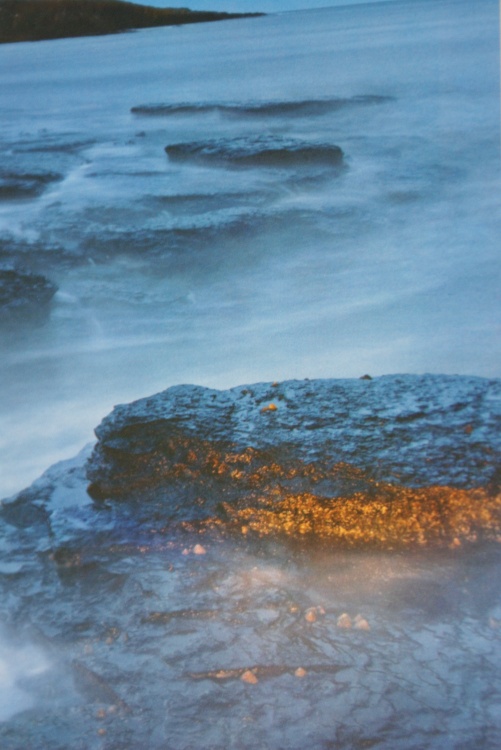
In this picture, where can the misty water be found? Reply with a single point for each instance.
(220, 273)
(252, 249)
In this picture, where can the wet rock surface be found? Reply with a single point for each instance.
(393, 461)
(20, 185)
(23, 293)
(131, 621)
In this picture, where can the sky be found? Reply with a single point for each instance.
(243, 6)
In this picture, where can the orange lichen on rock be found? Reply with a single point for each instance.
(389, 516)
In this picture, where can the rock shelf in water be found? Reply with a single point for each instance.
(392, 461)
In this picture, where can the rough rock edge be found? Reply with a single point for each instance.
(394, 461)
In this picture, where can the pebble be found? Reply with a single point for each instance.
(270, 407)
(361, 623)
(344, 621)
(249, 677)
(312, 613)
(300, 672)
(199, 550)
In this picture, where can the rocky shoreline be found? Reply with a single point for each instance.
(304, 544)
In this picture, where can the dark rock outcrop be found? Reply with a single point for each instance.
(33, 20)
(258, 152)
(18, 185)
(392, 461)
(216, 563)
(23, 294)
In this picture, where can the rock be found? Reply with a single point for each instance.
(344, 621)
(360, 623)
(385, 462)
(262, 151)
(23, 293)
(18, 185)
(311, 615)
(249, 677)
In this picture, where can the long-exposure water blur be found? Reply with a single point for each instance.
(311, 194)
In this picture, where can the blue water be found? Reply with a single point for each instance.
(219, 272)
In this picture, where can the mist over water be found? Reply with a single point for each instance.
(238, 267)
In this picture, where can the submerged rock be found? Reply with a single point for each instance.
(394, 461)
(23, 293)
(264, 151)
(17, 185)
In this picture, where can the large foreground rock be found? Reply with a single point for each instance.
(393, 461)
(181, 611)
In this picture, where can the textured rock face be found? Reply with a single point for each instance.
(184, 604)
(392, 461)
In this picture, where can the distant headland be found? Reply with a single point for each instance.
(35, 20)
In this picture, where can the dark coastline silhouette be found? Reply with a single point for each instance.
(35, 20)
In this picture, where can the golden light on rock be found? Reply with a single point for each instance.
(389, 516)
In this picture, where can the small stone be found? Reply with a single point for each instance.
(361, 623)
(245, 530)
(101, 731)
(300, 672)
(313, 613)
(270, 407)
(344, 621)
(249, 677)
(185, 551)
(199, 550)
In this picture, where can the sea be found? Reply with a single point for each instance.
(254, 250)
(304, 194)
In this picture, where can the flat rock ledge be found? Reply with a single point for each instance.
(391, 462)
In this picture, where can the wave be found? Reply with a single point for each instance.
(302, 108)
(260, 152)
